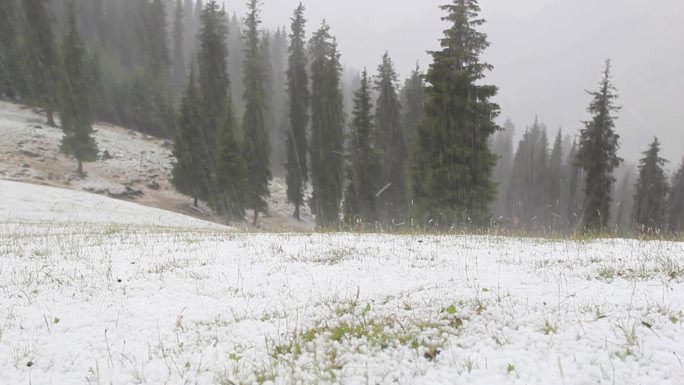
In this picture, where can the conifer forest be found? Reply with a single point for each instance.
(363, 149)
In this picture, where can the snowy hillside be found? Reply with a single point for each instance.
(131, 166)
(25, 203)
(142, 303)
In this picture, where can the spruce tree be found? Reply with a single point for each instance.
(651, 191)
(624, 201)
(191, 172)
(597, 154)
(364, 161)
(556, 183)
(217, 130)
(11, 76)
(576, 178)
(412, 103)
(327, 129)
(256, 135)
(74, 103)
(41, 57)
(299, 101)
(178, 63)
(453, 163)
(391, 144)
(502, 146)
(675, 206)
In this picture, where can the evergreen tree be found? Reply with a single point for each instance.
(502, 146)
(624, 200)
(278, 105)
(158, 58)
(217, 129)
(412, 102)
(299, 101)
(11, 77)
(214, 83)
(390, 143)
(556, 183)
(528, 187)
(597, 154)
(256, 136)
(675, 207)
(576, 179)
(74, 104)
(41, 59)
(651, 192)
(364, 171)
(178, 66)
(190, 173)
(230, 173)
(453, 163)
(327, 129)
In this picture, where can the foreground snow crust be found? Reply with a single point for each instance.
(96, 291)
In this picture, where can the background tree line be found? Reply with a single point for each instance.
(244, 104)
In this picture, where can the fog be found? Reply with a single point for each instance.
(546, 53)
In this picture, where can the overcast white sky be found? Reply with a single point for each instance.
(545, 54)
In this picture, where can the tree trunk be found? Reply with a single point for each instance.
(194, 203)
(51, 119)
(255, 221)
(296, 213)
(79, 169)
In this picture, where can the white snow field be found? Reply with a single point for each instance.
(97, 291)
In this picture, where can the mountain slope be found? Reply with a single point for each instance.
(131, 166)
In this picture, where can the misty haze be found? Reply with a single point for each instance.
(325, 192)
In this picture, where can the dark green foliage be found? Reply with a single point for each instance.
(12, 83)
(675, 206)
(229, 175)
(327, 124)
(256, 135)
(502, 146)
(299, 101)
(41, 58)
(412, 103)
(391, 145)
(178, 62)
(210, 164)
(453, 163)
(214, 83)
(651, 191)
(556, 185)
(597, 154)
(527, 191)
(74, 104)
(364, 170)
(191, 172)
(622, 221)
(576, 179)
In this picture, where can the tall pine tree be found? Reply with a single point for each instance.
(327, 128)
(391, 144)
(299, 101)
(191, 172)
(453, 163)
(364, 168)
(41, 57)
(256, 135)
(178, 62)
(74, 103)
(651, 191)
(675, 206)
(11, 76)
(412, 103)
(597, 154)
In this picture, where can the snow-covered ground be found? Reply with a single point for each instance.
(157, 299)
(131, 166)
